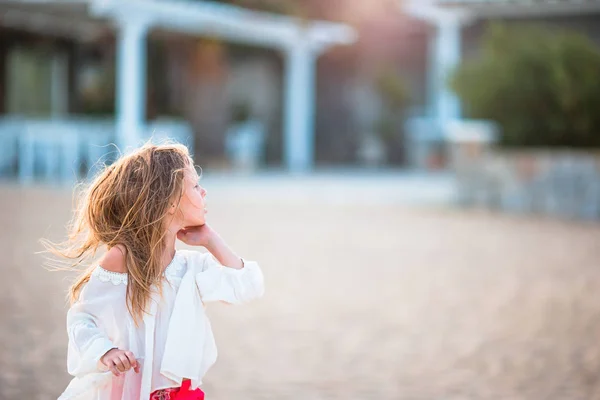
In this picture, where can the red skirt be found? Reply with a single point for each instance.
(182, 393)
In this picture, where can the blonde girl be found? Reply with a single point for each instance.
(137, 327)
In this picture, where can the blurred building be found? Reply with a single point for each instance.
(78, 75)
(243, 87)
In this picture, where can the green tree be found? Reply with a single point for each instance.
(542, 87)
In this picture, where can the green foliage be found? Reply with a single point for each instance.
(394, 96)
(392, 90)
(542, 87)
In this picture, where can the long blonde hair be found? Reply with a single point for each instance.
(126, 204)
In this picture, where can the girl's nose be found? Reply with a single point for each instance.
(204, 192)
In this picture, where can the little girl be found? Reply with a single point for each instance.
(137, 327)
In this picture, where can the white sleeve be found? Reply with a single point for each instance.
(90, 321)
(218, 283)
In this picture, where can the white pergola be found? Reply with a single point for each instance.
(300, 41)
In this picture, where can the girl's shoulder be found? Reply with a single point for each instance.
(111, 267)
(106, 276)
(114, 260)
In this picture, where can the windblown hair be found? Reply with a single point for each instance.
(126, 204)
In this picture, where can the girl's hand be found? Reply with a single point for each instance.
(201, 235)
(119, 361)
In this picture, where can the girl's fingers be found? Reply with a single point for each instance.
(113, 369)
(119, 364)
(125, 361)
(130, 356)
(132, 361)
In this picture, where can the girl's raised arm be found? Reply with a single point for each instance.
(219, 283)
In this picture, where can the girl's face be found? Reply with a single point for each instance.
(192, 204)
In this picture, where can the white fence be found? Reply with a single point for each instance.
(68, 149)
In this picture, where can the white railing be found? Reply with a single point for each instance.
(66, 150)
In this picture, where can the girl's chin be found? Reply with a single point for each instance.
(196, 222)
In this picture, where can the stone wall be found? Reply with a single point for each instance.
(549, 182)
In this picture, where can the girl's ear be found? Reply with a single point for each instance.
(172, 209)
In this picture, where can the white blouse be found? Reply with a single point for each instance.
(174, 341)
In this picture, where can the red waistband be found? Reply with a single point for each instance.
(180, 393)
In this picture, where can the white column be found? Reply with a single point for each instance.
(299, 108)
(131, 81)
(447, 57)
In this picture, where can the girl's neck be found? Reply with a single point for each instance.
(167, 258)
(169, 253)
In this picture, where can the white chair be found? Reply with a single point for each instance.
(244, 144)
